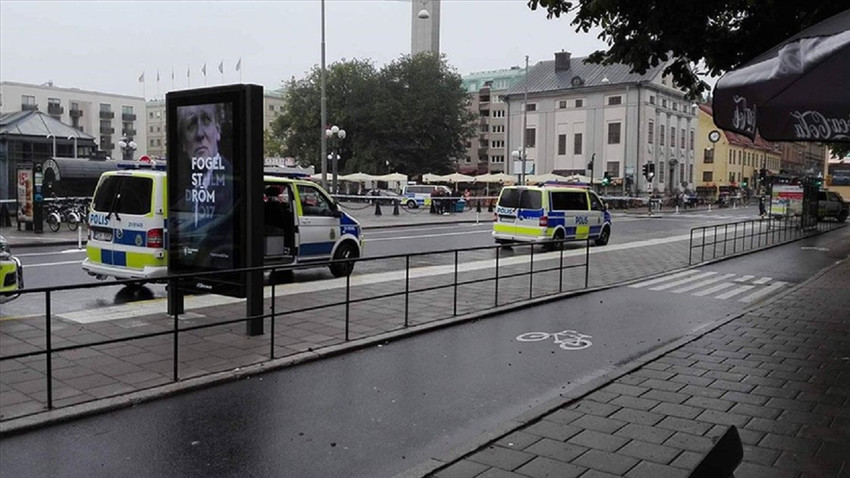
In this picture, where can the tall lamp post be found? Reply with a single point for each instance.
(335, 134)
(128, 147)
(519, 155)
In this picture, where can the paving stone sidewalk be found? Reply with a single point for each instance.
(779, 373)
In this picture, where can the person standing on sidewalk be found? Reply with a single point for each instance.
(762, 211)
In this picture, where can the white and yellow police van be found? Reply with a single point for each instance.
(546, 213)
(128, 237)
(418, 195)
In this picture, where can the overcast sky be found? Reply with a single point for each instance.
(105, 46)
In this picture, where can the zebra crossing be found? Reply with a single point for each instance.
(744, 288)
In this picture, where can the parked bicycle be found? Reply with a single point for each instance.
(567, 339)
(52, 215)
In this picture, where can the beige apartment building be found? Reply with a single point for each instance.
(106, 116)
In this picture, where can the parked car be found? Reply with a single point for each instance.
(831, 204)
(384, 197)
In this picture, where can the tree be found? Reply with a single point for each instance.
(718, 35)
(411, 114)
(272, 144)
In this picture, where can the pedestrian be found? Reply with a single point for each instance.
(762, 210)
(437, 201)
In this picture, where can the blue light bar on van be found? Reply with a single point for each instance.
(153, 165)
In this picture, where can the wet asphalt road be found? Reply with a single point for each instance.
(379, 411)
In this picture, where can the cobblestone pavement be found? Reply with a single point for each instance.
(778, 373)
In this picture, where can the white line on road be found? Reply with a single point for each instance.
(767, 290)
(734, 292)
(683, 281)
(663, 279)
(714, 289)
(763, 280)
(744, 278)
(704, 283)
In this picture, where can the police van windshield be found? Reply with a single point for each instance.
(520, 198)
(124, 195)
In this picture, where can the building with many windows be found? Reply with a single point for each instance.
(732, 162)
(580, 115)
(108, 117)
(486, 151)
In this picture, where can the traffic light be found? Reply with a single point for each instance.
(744, 182)
(606, 179)
(651, 173)
(762, 175)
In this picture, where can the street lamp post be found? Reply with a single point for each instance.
(51, 135)
(324, 106)
(519, 155)
(75, 144)
(335, 134)
(128, 147)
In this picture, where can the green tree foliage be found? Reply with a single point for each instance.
(272, 145)
(411, 113)
(718, 35)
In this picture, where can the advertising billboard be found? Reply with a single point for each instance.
(210, 158)
(25, 190)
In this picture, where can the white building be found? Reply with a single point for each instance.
(108, 117)
(579, 113)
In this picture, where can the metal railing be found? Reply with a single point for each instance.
(733, 238)
(499, 276)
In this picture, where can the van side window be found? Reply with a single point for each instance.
(313, 203)
(530, 199)
(569, 201)
(509, 198)
(595, 203)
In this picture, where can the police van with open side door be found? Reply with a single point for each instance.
(540, 214)
(128, 237)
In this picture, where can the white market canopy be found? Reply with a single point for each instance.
(358, 177)
(495, 178)
(542, 178)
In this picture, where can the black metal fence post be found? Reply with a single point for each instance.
(271, 321)
(347, 304)
(406, 288)
(587, 263)
(531, 274)
(49, 343)
(497, 275)
(561, 270)
(176, 337)
(454, 310)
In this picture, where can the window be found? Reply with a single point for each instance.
(675, 106)
(661, 135)
(152, 143)
(595, 203)
(126, 110)
(28, 100)
(497, 143)
(614, 133)
(531, 199)
(682, 139)
(135, 193)
(151, 129)
(313, 202)
(652, 100)
(531, 107)
(579, 103)
(708, 156)
(732, 177)
(577, 143)
(661, 171)
(158, 113)
(271, 107)
(613, 169)
(663, 103)
(159, 141)
(498, 113)
(498, 128)
(672, 136)
(53, 102)
(708, 176)
(692, 140)
(651, 132)
(562, 144)
(615, 100)
(105, 108)
(530, 137)
(150, 115)
(509, 198)
(159, 129)
(497, 158)
(562, 104)
(569, 201)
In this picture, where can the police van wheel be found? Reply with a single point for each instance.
(603, 236)
(411, 205)
(555, 244)
(344, 251)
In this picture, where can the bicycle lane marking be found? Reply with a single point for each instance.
(566, 340)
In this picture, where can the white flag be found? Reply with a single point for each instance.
(239, 64)
(204, 69)
(142, 77)
(221, 67)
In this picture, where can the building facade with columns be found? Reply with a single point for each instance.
(580, 113)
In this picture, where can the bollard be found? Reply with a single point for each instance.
(677, 209)
(478, 206)
(377, 208)
(433, 208)
(709, 207)
(395, 207)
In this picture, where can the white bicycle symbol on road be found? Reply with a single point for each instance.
(567, 339)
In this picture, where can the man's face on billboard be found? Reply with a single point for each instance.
(200, 131)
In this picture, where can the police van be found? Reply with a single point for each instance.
(546, 213)
(128, 237)
(417, 195)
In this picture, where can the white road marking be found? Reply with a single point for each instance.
(744, 278)
(714, 289)
(677, 283)
(766, 291)
(702, 283)
(734, 292)
(763, 280)
(663, 279)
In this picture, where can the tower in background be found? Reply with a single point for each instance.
(425, 26)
